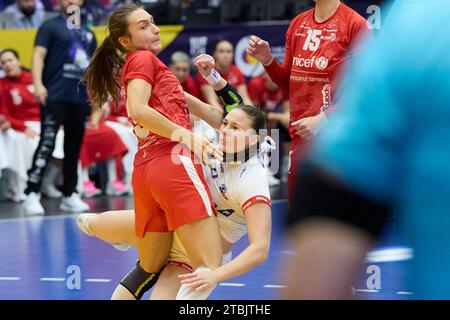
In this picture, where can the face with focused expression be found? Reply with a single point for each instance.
(143, 33)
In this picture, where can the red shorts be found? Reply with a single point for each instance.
(169, 194)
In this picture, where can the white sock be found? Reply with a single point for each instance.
(186, 293)
(112, 171)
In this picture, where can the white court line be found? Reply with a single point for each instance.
(9, 278)
(389, 255)
(230, 284)
(52, 217)
(273, 286)
(288, 252)
(98, 280)
(367, 290)
(69, 215)
(52, 279)
(404, 292)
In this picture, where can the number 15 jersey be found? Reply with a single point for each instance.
(315, 53)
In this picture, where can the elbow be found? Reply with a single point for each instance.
(135, 113)
(262, 253)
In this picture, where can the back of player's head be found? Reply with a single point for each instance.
(257, 116)
(104, 70)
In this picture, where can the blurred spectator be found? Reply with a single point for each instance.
(266, 94)
(21, 110)
(275, 102)
(223, 54)
(118, 121)
(101, 143)
(24, 14)
(383, 152)
(93, 13)
(61, 55)
(180, 66)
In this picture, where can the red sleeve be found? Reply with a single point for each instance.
(17, 124)
(358, 31)
(280, 73)
(254, 90)
(240, 76)
(142, 65)
(2, 101)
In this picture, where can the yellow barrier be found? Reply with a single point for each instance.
(23, 40)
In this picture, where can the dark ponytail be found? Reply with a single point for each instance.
(103, 73)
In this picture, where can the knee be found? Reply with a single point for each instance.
(148, 265)
(138, 281)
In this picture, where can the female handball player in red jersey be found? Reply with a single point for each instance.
(241, 194)
(170, 191)
(318, 43)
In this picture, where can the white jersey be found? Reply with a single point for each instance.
(204, 128)
(234, 188)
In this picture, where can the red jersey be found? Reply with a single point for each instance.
(20, 103)
(315, 55)
(190, 86)
(269, 101)
(118, 111)
(167, 98)
(234, 76)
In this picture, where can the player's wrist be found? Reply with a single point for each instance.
(183, 136)
(213, 78)
(268, 61)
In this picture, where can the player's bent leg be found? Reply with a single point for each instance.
(168, 283)
(115, 227)
(154, 250)
(203, 250)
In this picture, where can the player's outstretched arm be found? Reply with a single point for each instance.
(258, 217)
(227, 94)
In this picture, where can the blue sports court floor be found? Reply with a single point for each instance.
(49, 258)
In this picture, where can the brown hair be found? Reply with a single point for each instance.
(14, 52)
(103, 73)
(256, 114)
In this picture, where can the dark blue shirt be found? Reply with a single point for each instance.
(68, 54)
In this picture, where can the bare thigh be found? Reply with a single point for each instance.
(154, 250)
(201, 239)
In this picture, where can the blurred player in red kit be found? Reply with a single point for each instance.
(318, 44)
